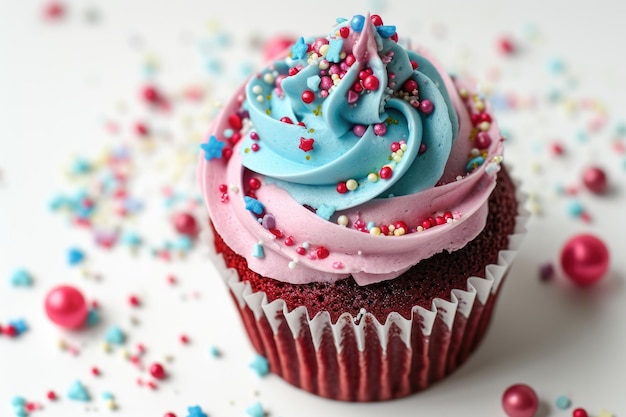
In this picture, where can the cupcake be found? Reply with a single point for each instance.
(361, 212)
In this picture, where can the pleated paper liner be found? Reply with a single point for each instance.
(362, 359)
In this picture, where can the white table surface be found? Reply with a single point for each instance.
(63, 82)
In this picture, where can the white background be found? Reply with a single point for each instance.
(61, 82)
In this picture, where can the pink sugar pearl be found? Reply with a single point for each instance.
(66, 307)
(585, 259)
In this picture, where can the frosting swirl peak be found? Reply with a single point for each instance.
(336, 109)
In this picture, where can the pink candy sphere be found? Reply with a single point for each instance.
(66, 307)
(585, 259)
(520, 400)
(595, 180)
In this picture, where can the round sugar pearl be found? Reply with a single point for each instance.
(585, 259)
(66, 307)
(520, 400)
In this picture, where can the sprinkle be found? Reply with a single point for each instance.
(313, 82)
(21, 278)
(375, 231)
(131, 239)
(260, 365)
(213, 148)
(306, 144)
(325, 211)
(546, 272)
(563, 402)
(75, 256)
(19, 326)
(299, 49)
(18, 401)
(506, 46)
(93, 317)
(196, 411)
(268, 222)
(575, 208)
(474, 163)
(322, 252)
(386, 31)
(214, 352)
(253, 205)
(157, 371)
(334, 50)
(342, 220)
(255, 410)
(357, 22)
(115, 336)
(258, 251)
(54, 11)
(78, 392)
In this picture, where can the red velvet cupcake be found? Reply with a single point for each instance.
(357, 194)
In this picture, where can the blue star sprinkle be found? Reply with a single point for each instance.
(213, 148)
(298, 50)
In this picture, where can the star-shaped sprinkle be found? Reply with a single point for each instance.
(604, 413)
(213, 148)
(306, 144)
(299, 49)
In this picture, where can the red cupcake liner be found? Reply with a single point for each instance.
(362, 359)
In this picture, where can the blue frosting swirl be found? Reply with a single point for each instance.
(309, 143)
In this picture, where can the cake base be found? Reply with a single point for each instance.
(416, 328)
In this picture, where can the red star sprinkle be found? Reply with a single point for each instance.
(306, 144)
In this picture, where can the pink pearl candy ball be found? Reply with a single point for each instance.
(595, 180)
(520, 400)
(66, 307)
(585, 259)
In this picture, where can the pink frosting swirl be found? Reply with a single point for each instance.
(374, 241)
